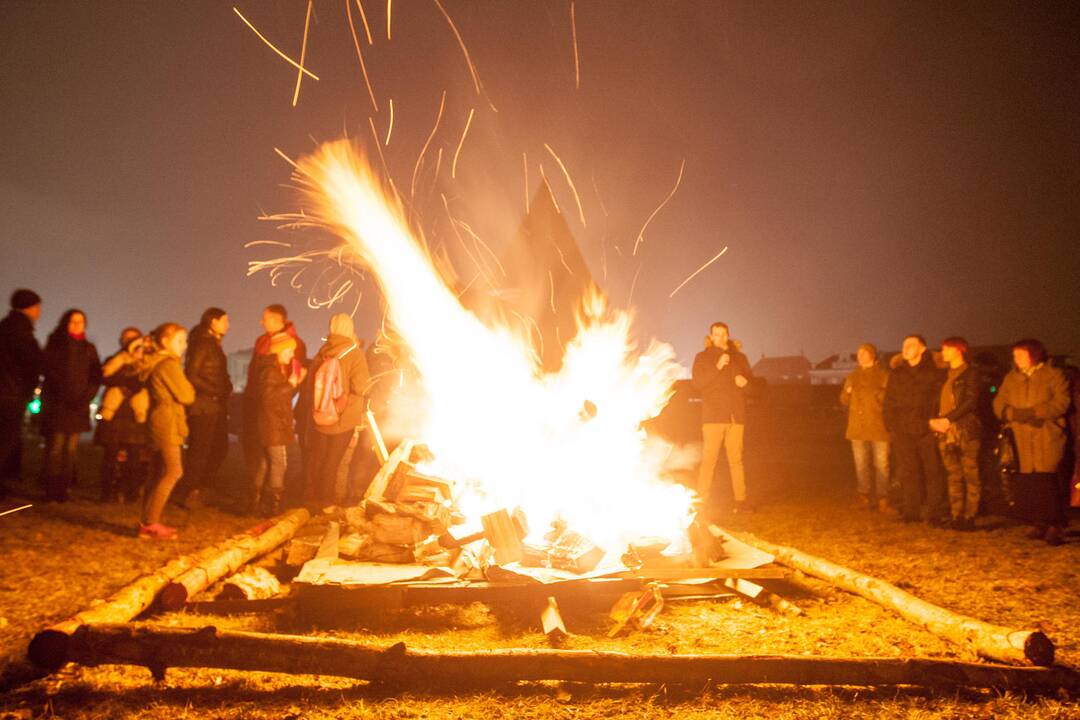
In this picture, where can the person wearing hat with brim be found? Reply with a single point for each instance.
(21, 365)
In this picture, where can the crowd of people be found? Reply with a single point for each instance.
(169, 390)
(915, 423)
(918, 423)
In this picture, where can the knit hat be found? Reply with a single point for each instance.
(22, 299)
(342, 324)
(282, 342)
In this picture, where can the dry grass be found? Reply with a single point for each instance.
(58, 559)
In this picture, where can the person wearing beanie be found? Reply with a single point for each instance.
(21, 365)
(274, 423)
(863, 394)
(72, 378)
(328, 439)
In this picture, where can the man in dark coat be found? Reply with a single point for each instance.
(21, 365)
(207, 369)
(721, 374)
(911, 401)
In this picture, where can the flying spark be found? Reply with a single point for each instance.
(270, 45)
(641, 233)
(468, 121)
(573, 32)
(464, 50)
(566, 174)
(695, 273)
(390, 129)
(416, 168)
(303, 53)
(360, 57)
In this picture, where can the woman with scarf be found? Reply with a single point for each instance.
(72, 377)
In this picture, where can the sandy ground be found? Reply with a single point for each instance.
(58, 559)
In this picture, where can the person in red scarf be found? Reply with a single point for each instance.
(277, 326)
(72, 378)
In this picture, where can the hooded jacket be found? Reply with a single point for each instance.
(170, 393)
(354, 379)
(722, 401)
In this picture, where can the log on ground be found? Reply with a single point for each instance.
(230, 558)
(48, 648)
(159, 648)
(993, 642)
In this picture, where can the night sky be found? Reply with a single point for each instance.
(875, 168)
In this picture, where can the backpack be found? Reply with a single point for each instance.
(330, 394)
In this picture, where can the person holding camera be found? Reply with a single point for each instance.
(721, 374)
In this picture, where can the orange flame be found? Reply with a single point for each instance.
(510, 434)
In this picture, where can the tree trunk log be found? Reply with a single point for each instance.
(231, 557)
(993, 642)
(48, 648)
(161, 648)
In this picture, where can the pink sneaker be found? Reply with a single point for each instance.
(156, 531)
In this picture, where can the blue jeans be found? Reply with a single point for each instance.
(871, 464)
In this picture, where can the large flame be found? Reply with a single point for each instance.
(512, 435)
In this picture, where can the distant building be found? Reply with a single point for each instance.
(833, 369)
(238, 367)
(783, 370)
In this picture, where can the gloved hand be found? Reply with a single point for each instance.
(1023, 415)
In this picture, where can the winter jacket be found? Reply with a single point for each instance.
(967, 390)
(72, 378)
(274, 419)
(722, 401)
(1034, 406)
(262, 347)
(123, 429)
(864, 396)
(208, 370)
(170, 393)
(913, 397)
(354, 380)
(21, 359)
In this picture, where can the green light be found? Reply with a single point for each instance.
(35, 406)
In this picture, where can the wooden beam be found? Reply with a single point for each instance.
(159, 648)
(232, 556)
(48, 648)
(994, 642)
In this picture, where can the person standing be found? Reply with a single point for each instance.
(123, 435)
(958, 430)
(72, 378)
(171, 392)
(207, 369)
(863, 395)
(21, 365)
(911, 400)
(721, 374)
(329, 437)
(275, 323)
(1033, 400)
(277, 385)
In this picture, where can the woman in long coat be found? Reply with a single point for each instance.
(1032, 401)
(72, 378)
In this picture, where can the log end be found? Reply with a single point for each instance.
(173, 597)
(1039, 649)
(49, 650)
